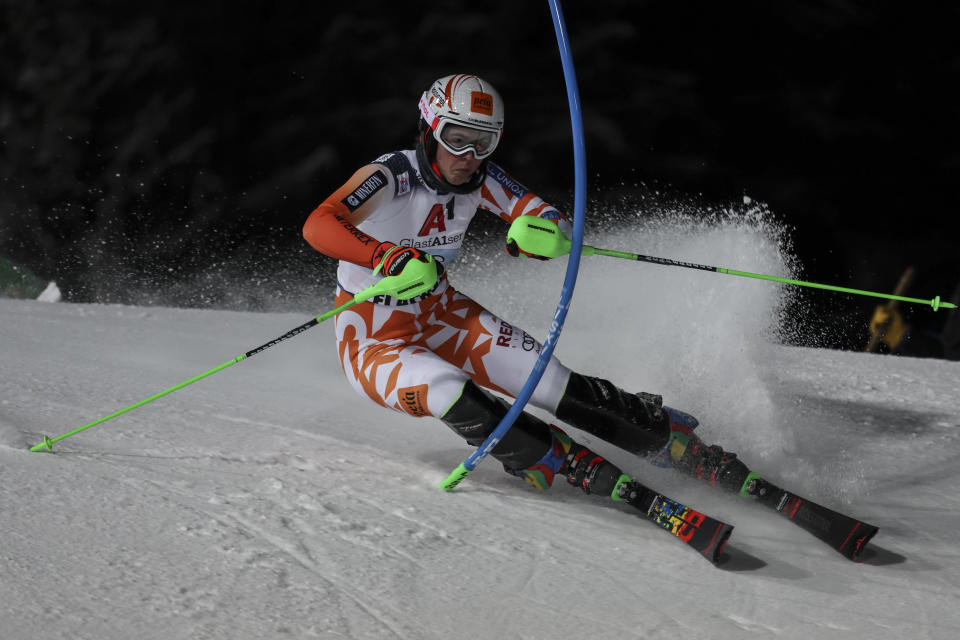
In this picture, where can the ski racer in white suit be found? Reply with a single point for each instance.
(442, 354)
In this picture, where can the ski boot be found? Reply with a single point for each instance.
(592, 473)
(582, 467)
(713, 464)
(688, 453)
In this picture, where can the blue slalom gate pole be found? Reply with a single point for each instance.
(570, 280)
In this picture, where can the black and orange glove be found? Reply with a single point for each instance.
(391, 258)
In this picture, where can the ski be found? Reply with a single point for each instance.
(846, 535)
(705, 534)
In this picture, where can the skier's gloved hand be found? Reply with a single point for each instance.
(391, 258)
(407, 272)
(536, 237)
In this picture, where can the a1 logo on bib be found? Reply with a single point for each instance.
(435, 219)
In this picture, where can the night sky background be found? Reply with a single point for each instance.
(177, 148)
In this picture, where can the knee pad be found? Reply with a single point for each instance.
(476, 414)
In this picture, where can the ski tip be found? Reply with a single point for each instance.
(857, 541)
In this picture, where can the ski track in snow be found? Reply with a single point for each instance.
(269, 501)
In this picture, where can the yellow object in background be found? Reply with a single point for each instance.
(891, 323)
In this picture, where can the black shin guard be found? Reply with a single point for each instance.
(477, 413)
(635, 422)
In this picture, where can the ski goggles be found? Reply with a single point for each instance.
(459, 139)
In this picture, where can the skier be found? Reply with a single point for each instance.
(442, 354)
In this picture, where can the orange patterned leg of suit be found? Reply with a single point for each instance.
(415, 358)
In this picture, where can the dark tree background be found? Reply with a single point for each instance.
(168, 152)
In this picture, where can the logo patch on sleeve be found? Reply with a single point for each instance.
(403, 183)
(363, 193)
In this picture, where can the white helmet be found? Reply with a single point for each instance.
(465, 113)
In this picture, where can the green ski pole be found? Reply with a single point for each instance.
(934, 302)
(544, 238)
(417, 278)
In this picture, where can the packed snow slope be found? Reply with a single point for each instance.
(269, 501)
